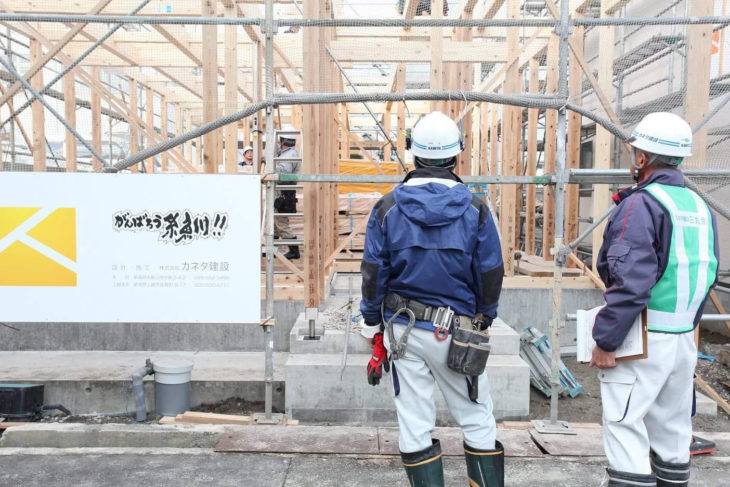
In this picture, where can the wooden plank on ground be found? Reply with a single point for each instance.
(211, 418)
(531, 265)
(587, 443)
(302, 439)
(516, 443)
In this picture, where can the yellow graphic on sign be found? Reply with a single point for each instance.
(39, 256)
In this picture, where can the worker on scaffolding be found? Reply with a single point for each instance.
(660, 251)
(432, 269)
(286, 200)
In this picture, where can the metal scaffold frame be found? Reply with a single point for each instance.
(558, 180)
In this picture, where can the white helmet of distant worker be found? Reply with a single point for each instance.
(247, 148)
(665, 135)
(289, 138)
(436, 141)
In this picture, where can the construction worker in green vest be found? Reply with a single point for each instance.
(660, 252)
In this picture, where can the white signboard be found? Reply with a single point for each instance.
(130, 248)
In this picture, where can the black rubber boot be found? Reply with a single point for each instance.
(293, 252)
(628, 479)
(425, 468)
(669, 474)
(485, 468)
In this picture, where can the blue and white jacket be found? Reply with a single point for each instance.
(431, 240)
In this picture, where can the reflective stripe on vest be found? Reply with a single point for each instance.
(691, 264)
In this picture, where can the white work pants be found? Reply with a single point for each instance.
(414, 374)
(647, 404)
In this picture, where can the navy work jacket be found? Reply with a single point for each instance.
(431, 240)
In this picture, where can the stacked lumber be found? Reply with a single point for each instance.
(195, 417)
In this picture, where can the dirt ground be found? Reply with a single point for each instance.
(586, 408)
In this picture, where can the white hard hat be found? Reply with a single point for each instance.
(247, 148)
(664, 134)
(293, 133)
(436, 136)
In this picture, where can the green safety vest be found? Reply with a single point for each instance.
(691, 266)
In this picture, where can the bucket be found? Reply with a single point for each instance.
(172, 386)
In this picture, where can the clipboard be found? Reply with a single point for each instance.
(637, 337)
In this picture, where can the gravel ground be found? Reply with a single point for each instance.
(587, 406)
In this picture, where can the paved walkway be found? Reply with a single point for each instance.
(191, 467)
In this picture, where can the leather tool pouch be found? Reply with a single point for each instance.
(468, 351)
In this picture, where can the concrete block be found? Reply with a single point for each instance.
(98, 382)
(504, 340)
(151, 336)
(319, 390)
(705, 405)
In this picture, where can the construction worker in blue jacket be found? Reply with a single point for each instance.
(660, 252)
(433, 256)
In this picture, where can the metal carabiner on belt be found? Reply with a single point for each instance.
(398, 348)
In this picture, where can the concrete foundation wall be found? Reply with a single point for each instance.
(522, 307)
(151, 336)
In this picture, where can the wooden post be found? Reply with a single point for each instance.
(511, 145)
(494, 154)
(484, 138)
(96, 119)
(38, 112)
(210, 87)
(344, 132)
(602, 152)
(550, 148)
(219, 135)
(231, 89)
(400, 80)
(387, 147)
(437, 66)
(188, 118)
(573, 150)
(697, 99)
(150, 121)
(163, 130)
(133, 128)
(530, 199)
(310, 144)
(69, 99)
(464, 75)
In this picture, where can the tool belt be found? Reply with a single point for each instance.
(441, 317)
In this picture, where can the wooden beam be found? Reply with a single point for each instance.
(164, 122)
(550, 150)
(602, 151)
(394, 51)
(69, 95)
(712, 393)
(511, 147)
(697, 100)
(96, 120)
(484, 139)
(530, 198)
(400, 81)
(38, 64)
(359, 228)
(488, 10)
(210, 87)
(39, 117)
(188, 146)
(575, 88)
(133, 128)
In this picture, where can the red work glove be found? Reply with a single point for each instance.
(378, 361)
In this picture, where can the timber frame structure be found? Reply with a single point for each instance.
(233, 77)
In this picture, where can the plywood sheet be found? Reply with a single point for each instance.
(587, 443)
(301, 439)
(517, 443)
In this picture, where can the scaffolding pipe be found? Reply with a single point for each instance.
(559, 192)
(75, 63)
(270, 29)
(50, 108)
